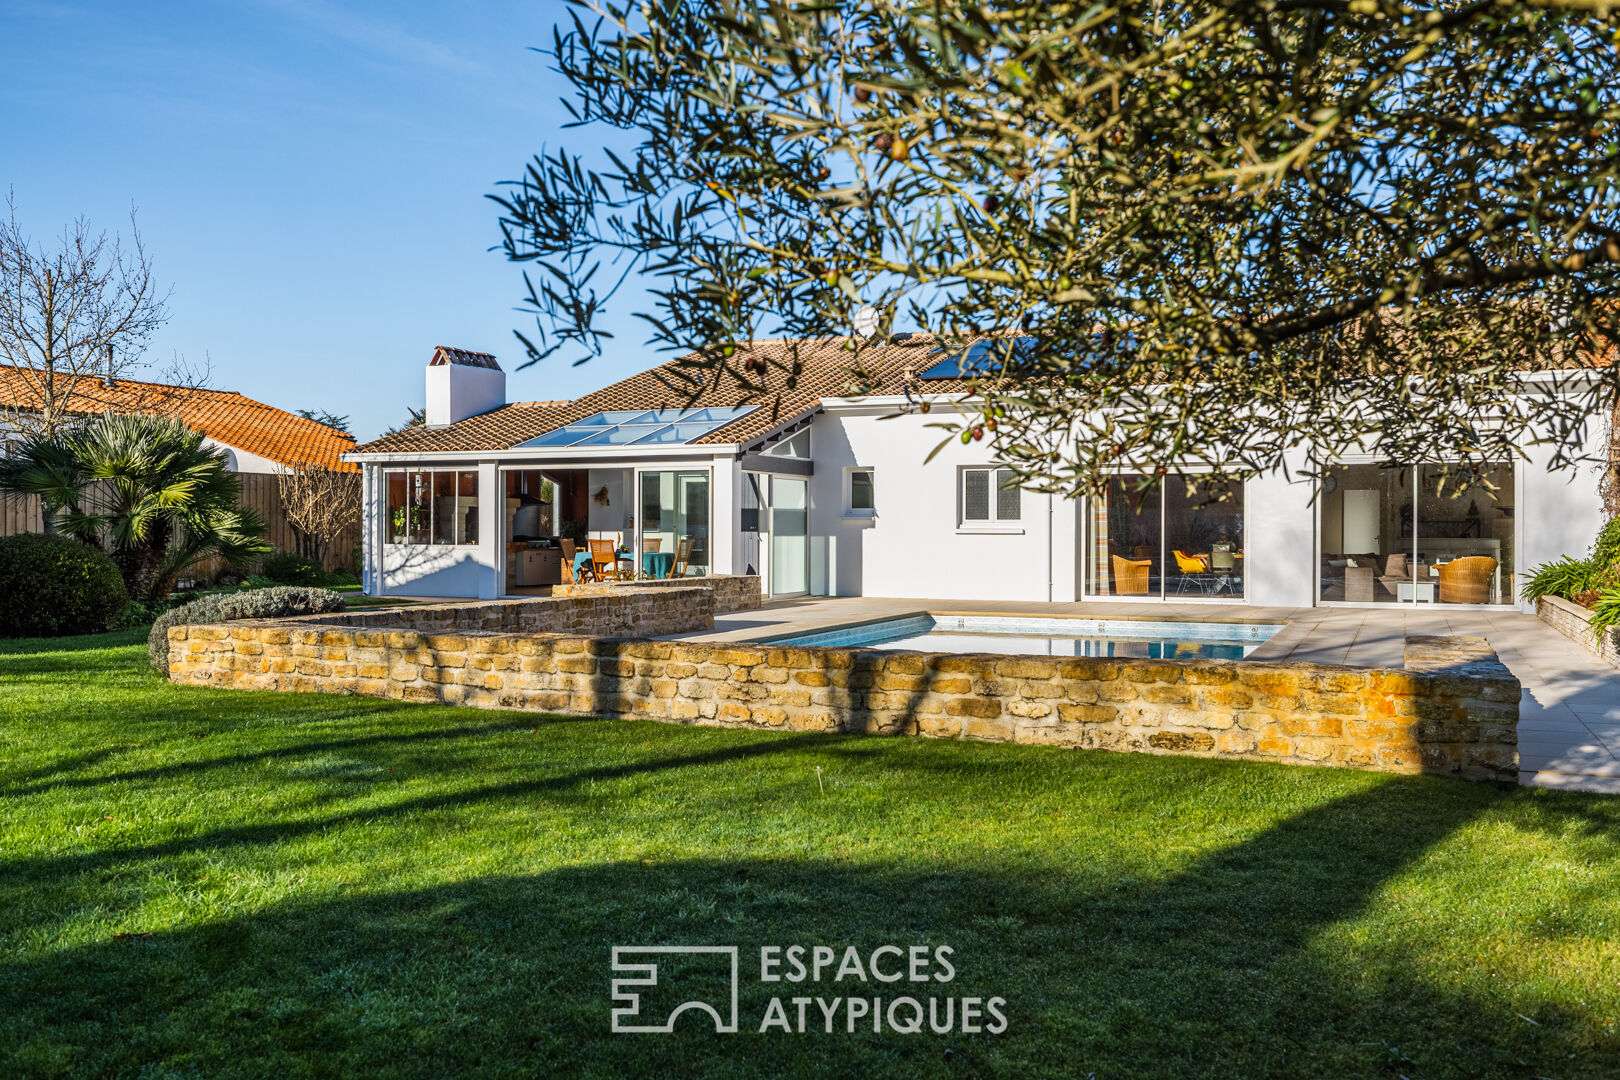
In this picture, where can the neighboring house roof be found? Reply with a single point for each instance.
(224, 416)
(827, 367)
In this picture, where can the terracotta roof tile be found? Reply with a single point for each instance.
(446, 354)
(225, 416)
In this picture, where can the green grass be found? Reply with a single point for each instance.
(212, 883)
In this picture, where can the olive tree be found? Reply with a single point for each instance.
(1198, 232)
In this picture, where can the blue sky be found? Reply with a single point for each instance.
(309, 176)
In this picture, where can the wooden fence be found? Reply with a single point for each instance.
(260, 493)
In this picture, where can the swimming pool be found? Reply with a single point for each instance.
(1145, 639)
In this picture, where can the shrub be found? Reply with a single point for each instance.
(52, 585)
(1567, 578)
(288, 568)
(139, 613)
(273, 603)
(1605, 617)
(1606, 549)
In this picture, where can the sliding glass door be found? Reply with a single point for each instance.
(1179, 538)
(1408, 535)
(790, 536)
(674, 524)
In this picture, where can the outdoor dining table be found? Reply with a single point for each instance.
(657, 564)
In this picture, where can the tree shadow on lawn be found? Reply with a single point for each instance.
(1215, 971)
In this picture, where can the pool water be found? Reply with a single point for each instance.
(1143, 639)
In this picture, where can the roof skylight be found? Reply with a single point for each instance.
(642, 427)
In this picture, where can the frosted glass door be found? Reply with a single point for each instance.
(790, 536)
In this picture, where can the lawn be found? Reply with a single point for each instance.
(216, 883)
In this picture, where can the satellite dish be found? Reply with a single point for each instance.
(866, 320)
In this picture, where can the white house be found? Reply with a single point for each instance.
(823, 490)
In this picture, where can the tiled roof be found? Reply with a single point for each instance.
(827, 367)
(225, 416)
(446, 354)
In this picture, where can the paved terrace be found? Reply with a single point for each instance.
(1569, 718)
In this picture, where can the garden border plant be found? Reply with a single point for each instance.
(273, 603)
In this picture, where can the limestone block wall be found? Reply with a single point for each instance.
(732, 592)
(1570, 619)
(1453, 711)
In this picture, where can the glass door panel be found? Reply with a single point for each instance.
(1203, 538)
(674, 525)
(790, 536)
(1367, 553)
(1465, 541)
(1126, 527)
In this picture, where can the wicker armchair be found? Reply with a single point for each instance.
(1131, 576)
(1467, 580)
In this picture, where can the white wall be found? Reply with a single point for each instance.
(913, 547)
(1280, 565)
(608, 522)
(435, 570)
(1559, 513)
(457, 391)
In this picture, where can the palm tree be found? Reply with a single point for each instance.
(144, 489)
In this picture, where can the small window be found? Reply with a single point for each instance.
(991, 496)
(862, 499)
(797, 446)
(432, 507)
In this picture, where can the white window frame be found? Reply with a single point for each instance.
(994, 523)
(388, 525)
(852, 511)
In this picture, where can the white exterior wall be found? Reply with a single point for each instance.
(1559, 513)
(1280, 562)
(913, 547)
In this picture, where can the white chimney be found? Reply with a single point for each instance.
(462, 384)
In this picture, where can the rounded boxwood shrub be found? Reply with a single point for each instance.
(274, 603)
(52, 585)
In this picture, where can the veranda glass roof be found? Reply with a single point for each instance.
(627, 427)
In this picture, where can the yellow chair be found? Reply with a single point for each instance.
(1193, 569)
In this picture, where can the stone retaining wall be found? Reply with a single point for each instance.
(1570, 619)
(1455, 711)
(732, 592)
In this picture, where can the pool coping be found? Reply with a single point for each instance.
(798, 637)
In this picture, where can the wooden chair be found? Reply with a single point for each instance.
(1467, 580)
(683, 555)
(1131, 576)
(604, 560)
(568, 552)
